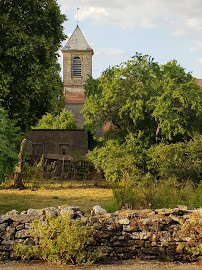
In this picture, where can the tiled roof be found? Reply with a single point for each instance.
(199, 82)
(74, 98)
(77, 41)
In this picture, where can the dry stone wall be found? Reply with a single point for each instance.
(129, 234)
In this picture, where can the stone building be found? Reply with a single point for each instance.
(56, 144)
(77, 65)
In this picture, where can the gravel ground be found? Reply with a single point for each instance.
(126, 265)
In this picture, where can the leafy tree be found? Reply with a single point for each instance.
(31, 32)
(9, 145)
(163, 103)
(155, 115)
(65, 120)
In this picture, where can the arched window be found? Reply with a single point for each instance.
(76, 69)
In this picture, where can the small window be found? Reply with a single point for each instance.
(76, 69)
(63, 149)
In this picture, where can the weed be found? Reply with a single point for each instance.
(192, 228)
(60, 240)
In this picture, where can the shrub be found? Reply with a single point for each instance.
(35, 174)
(152, 193)
(192, 228)
(197, 198)
(65, 120)
(60, 240)
(182, 160)
(121, 162)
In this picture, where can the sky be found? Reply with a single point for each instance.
(117, 29)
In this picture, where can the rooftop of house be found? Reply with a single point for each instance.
(77, 41)
(199, 82)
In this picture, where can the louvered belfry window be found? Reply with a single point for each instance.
(76, 70)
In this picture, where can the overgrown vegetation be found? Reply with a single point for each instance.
(38, 173)
(60, 240)
(153, 194)
(65, 120)
(182, 160)
(155, 135)
(192, 229)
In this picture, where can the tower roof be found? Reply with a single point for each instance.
(77, 41)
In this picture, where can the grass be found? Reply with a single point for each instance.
(75, 193)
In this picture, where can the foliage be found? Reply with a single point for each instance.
(150, 193)
(60, 240)
(162, 103)
(121, 162)
(9, 145)
(65, 120)
(197, 199)
(131, 161)
(192, 228)
(155, 134)
(182, 160)
(31, 33)
(37, 173)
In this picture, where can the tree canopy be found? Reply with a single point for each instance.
(31, 32)
(158, 103)
(65, 120)
(9, 145)
(156, 121)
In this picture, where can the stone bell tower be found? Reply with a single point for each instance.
(77, 65)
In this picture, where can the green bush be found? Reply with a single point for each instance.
(65, 120)
(182, 160)
(197, 198)
(60, 240)
(170, 193)
(152, 194)
(121, 162)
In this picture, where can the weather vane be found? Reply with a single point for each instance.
(77, 15)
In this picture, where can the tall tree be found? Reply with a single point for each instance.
(158, 103)
(156, 121)
(31, 32)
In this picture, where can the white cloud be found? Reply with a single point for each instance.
(180, 16)
(93, 12)
(200, 60)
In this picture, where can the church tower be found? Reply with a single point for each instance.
(77, 65)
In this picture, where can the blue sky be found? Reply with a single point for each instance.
(117, 29)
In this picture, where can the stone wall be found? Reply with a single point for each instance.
(129, 234)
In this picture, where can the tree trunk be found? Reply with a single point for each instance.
(18, 183)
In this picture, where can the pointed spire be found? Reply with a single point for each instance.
(77, 41)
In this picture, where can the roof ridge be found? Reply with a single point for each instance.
(77, 41)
